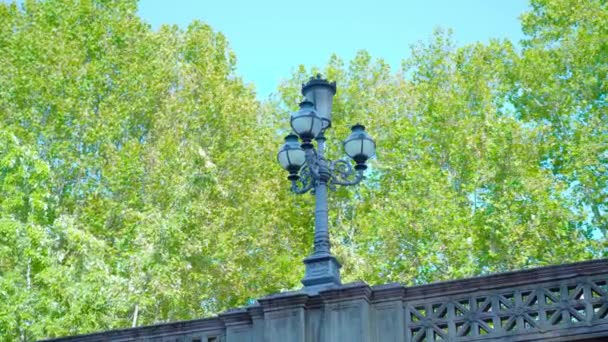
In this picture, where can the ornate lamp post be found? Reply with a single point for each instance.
(310, 171)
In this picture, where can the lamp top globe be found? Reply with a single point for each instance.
(321, 92)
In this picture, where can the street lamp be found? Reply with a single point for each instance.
(310, 171)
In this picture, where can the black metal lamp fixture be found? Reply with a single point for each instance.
(291, 156)
(310, 171)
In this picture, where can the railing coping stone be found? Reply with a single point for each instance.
(509, 279)
(238, 316)
(355, 290)
(285, 300)
(129, 334)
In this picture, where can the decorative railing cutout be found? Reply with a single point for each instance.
(506, 312)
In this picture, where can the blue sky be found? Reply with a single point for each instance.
(272, 37)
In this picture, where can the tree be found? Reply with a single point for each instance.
(139, 182)
(459, 186)
(560, 86)
(153, 198)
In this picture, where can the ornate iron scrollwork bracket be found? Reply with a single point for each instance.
(316, 168)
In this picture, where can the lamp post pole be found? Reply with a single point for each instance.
(310, 171)
(322, 245)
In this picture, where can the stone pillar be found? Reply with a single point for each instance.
(314, 319)
(239, 327)
(347, 313)
(285, 317)
(257, 320)
(388, 318)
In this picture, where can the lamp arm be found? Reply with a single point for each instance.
(312, 163)
(306, 181)
(343, 173)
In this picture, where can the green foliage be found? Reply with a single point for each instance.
(139, 184)
(460, 186)
(560, 84)
(129, 195)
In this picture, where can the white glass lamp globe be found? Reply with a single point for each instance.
(359, 146)
(305, 122)
(291, 156)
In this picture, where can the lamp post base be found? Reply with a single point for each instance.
(322, 271)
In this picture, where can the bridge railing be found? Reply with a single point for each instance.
(555, 303)
(540, 309)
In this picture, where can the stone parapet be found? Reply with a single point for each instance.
(555, 303)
